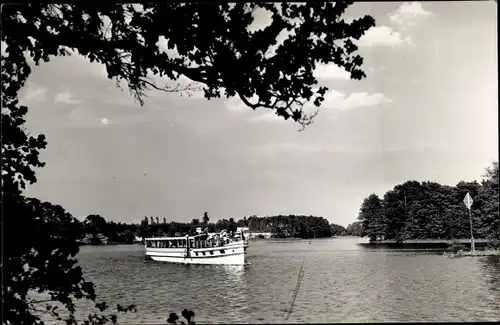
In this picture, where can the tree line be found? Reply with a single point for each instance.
(429, 210)
(94, 227)
(291, 226)
(354, 229)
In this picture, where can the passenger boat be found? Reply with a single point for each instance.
(219, 248)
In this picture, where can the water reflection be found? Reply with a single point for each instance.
(236, 291)
(235, 274)
(217, 292)
(490, 265)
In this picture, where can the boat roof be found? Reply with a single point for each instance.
(175, 238)
(168, 238)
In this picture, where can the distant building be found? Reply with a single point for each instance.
(257, 234)
(242, 229)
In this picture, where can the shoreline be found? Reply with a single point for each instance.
(432, 241)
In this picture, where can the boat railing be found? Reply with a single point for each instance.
(217, 243)
(208, 244)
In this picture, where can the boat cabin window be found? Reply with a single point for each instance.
(211, 252)
(166, 243)
(222, 251)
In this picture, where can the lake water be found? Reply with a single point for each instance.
(342, 282)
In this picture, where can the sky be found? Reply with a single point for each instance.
(427, 111)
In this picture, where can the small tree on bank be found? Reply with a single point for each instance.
(372, 216)
(206, 219)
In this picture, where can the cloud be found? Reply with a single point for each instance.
(81, 64)
(235, 104)
(269, 117)
(66, 98)
(186, 88)
(262, 18)
(3, 46)
(383, 36)
(35, 95)
(408, 14)
(331, 71)
(163, 47)
(377, 69)
(335, 100)
(272, 147)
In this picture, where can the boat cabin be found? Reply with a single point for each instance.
(197, 241)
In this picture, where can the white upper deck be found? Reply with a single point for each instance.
(175, 238)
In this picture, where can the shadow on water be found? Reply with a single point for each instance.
(438, 247)
(490, 265)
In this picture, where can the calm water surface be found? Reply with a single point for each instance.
(343, 282)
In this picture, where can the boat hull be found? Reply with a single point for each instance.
(230, 255)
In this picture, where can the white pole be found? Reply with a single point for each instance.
(472, 246)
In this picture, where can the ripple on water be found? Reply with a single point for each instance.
(342, 283)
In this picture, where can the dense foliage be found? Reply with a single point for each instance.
(429, 210)
(296, 226)
(355, 229)
(214, 49)
(96, 228)
(213, 43)
(372, 217)
(278, 226)
(338, 230)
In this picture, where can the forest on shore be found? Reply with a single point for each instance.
(95, 227)
(429, 210)
(412, 210)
